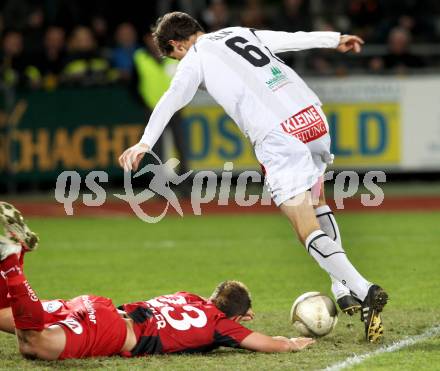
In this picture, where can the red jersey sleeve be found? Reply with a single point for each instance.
(229, 333)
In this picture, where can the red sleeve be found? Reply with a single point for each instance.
(229, 333)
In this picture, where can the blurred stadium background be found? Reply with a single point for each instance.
(79, 79)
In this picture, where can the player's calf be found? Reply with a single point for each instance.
(34, 340)
(26, 307)
(301, 215)
(329, 226)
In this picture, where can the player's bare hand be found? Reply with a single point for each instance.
(132, 156)
(350, 42)
(249, 316)
(300, 343)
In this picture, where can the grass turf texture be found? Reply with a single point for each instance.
(128, 260)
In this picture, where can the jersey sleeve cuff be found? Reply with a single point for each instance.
(147, 142)
(334, 39)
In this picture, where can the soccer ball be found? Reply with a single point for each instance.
(314, 314)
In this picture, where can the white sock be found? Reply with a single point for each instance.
(328, 225)
(338, 289)
(331, 257)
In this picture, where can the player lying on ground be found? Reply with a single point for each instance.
(284, 121)
(90, 326)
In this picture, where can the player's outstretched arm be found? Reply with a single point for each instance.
(182, 89)
(278, 344)
(280, 41)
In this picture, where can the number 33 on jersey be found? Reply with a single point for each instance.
(181, 322)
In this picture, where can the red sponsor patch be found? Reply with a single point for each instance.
(306, 125)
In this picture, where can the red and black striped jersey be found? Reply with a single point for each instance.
(181, 322)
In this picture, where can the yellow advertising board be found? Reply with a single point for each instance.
(213, 138)
(363, 135)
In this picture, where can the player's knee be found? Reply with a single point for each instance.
(27, 352)
(29, 344)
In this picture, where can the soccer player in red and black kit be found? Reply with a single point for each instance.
(91, 326)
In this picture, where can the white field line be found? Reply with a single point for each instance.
(356, 359)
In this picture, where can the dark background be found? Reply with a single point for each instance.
(402, 36)
(41, 41)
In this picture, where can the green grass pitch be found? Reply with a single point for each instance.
(128, 260)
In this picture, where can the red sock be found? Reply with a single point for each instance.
(26, 307)
(4, 293)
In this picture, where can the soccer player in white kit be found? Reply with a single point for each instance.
(283, 119)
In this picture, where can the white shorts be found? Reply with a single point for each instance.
(295, 154)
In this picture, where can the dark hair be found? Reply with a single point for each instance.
(232, 298)
(176, 26)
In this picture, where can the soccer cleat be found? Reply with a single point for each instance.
(8, 247)
(15, 228)
(373, 304)
(349, 305)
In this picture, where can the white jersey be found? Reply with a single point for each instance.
(239, 69)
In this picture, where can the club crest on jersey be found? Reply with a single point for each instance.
(51, 306)
(306, 125)
(278, 79)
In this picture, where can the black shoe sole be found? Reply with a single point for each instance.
(16, 228)
(374, 329)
